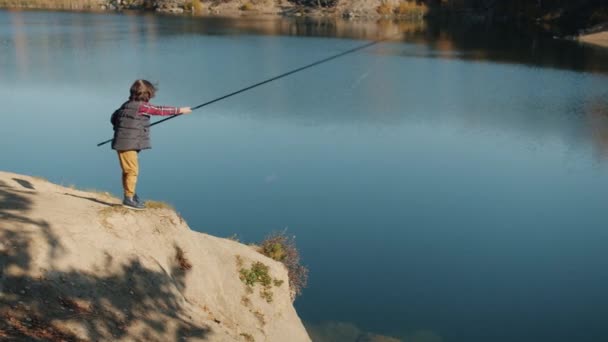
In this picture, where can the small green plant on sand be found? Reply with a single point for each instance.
(274, 249)
(258, 273)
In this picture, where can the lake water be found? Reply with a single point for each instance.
(448, 185)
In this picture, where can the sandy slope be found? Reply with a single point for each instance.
(75, 267)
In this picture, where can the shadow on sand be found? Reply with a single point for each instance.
(37, 307)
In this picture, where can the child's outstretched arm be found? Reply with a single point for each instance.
(150, 109)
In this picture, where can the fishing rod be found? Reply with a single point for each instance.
(324, 60)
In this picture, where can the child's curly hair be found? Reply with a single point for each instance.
(142, 90)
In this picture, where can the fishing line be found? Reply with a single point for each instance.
(308, 66)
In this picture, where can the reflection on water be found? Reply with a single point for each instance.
(510, 44)
(439, 184)
(442, 40)
(596, 118)
(20, 42)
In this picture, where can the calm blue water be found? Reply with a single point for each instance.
(445, 186)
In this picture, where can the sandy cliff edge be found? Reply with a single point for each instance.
(76, 267)
(600, 38)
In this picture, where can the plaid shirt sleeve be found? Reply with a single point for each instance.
(150, 109)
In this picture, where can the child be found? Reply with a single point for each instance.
(132, 134)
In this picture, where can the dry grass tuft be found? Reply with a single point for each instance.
(234, 237)
(385, 9)
(405, 8)
(411, 9)
(114, 209)
(75, 307)
(281, 247)
(108, 211)
(31, 327)
(158, 205)
(182, 261)
(248, 337)
(246, 301)
(248, 6)
(194, 6)
(239, 261)
(260, 317)
(101, 193)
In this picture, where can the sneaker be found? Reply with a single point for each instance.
(129, 202)
(136, 198)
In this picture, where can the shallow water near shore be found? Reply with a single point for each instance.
(447, 185)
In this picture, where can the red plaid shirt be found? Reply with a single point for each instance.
(147, 108)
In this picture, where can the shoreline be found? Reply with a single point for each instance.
(197, 9)
(282, 10)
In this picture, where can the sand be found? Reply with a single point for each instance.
(76, 266)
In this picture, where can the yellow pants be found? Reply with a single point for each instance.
(130, 170)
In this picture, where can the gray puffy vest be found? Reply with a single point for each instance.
(131, 131)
